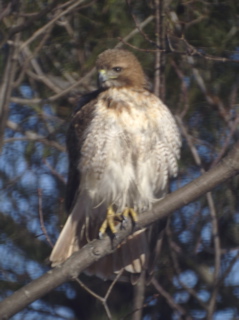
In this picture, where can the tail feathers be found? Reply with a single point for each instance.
(134, 252)
(67, 242)
(131, 255)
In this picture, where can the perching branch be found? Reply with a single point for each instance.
(97, 249)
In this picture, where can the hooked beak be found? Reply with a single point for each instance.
(102, 76)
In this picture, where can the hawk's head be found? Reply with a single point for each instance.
(120, 68)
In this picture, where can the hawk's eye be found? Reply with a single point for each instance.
(117, 69)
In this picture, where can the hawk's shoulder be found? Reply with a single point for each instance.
(87, 98)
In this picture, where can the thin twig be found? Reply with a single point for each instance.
(173, 255)
(7, 83)
(32, 136)
(37, 33)
(138, 29)
(139, 292)
(91, 292)
(104, 299)
(229, 268)
(113, 283)
(139, 26)
(227, 141)
(25, 65)
(27, 23)
(159, 74)
(184, 88)
(42, 219)
(139, 49)
(145, 305)
(192, 51)
(169, 298)
(216, 239)
(53, 171)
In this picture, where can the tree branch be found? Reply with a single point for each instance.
(97, 249)
(41, 30)
(159, 74)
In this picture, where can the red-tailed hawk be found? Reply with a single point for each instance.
(123, 146)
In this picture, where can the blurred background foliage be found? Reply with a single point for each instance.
(48, 50)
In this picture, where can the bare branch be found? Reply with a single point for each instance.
(226, 144)
(216, 239)
(139, 291)
(135, 31)
(54, 172)
(37, 33)
(7, 85)
(42, 219)
(25, 65)
(32, 20)
(159, 74)
(32, 136)
(104, 299)
(169, 298)
(174, 254)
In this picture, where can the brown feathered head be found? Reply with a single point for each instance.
(120, 68)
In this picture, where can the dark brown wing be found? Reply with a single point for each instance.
(81, 118)
(69, 239)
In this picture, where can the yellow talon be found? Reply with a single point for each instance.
(113, 218)
(108, 222)
(130, 212)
